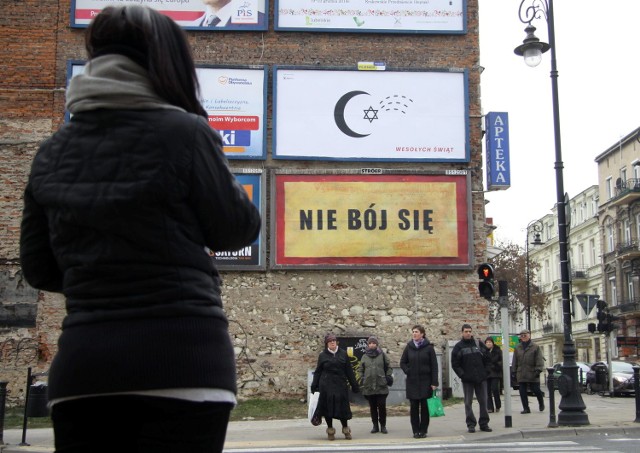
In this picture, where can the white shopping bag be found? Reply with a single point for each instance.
(313, 404)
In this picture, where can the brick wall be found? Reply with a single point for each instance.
(277, 317)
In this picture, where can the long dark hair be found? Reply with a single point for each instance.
(155, 42)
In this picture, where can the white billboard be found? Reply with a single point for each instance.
(377, 16)
(370, 115)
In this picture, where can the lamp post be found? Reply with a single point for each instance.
(571, 404)
(536, 226)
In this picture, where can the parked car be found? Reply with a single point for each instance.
(623, 380)
(583, 369)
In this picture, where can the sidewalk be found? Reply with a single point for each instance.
(606, 415)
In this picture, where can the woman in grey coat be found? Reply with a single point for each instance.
(376, 374)
(420, 365)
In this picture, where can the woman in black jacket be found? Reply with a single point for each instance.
(420, 364)
(494, 375)
(122, 206)
(333, 371)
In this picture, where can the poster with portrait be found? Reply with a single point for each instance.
(372, 16)
(201, 15)
(330, 114)
(388, 220)
(235, 100)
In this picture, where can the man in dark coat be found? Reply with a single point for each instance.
(527, 364)
(469, 360)
(330, 378)
(420, 364)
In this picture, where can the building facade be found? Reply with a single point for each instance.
(278, 315)
(585, 274)
(619, 221)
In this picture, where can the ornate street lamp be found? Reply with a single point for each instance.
(572, 407)
(536, 227)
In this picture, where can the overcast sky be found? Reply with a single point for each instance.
(598, 64)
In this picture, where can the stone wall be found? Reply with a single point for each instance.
(277, 318)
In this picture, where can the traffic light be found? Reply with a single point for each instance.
(486, 287)
(603, 325)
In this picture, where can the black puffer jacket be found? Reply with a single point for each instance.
(470, 360)
(119, 207)
(421, 367)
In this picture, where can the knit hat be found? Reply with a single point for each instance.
(373, 339)
(523, 331)
(489, 339)
(329, 337)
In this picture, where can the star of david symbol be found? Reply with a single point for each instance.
(370, 114)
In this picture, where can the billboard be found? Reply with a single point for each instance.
(372, 16)
(252, 256)
(235, 100)
(190, 14)
(370, 115)
(388, 220)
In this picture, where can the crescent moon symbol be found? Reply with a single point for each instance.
(338, 112)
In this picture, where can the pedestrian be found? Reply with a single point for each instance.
(420, 364)
(330, 378)
(120, 208)
(528, 364)
(494, 376)
(376, 373)
(469, 360)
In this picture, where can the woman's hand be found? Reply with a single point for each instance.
(433, 387)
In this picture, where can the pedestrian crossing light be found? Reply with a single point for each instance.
(486, 287)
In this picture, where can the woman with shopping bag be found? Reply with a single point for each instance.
(420, 365)
(330, 378)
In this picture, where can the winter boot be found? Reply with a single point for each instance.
(331, 432)
(375, 429)
(541, 403)
(383, 429)
(347, 432)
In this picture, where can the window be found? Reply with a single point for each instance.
(547, 272)
(613, 291)
(608, 188)
(610, 245)
(592, 249)
(626, 226)
(583, 209)
(623, 177)
(581, 256)
(629, 279)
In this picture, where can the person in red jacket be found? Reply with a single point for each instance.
(121, 206)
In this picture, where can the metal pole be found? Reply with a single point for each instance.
(636, 387)
(528, 283)
(552, 398)
(503, 294)
(571, 405)
(3, 401)
(26, 405)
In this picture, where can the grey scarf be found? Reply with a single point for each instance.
(113, 82)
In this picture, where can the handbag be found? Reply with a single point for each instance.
(435, 405)
(313, 405)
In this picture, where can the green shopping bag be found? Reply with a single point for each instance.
(435, 405)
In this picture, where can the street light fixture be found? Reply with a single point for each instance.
(572, 407)
(536, 226)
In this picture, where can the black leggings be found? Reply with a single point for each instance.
(378, 408)
(139, 424)
(343, 422)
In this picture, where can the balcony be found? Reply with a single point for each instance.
(579, 273)
(552, 329)
(626, 192)
(626, 306)
(627, 250)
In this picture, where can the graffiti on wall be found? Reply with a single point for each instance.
(19, 353)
